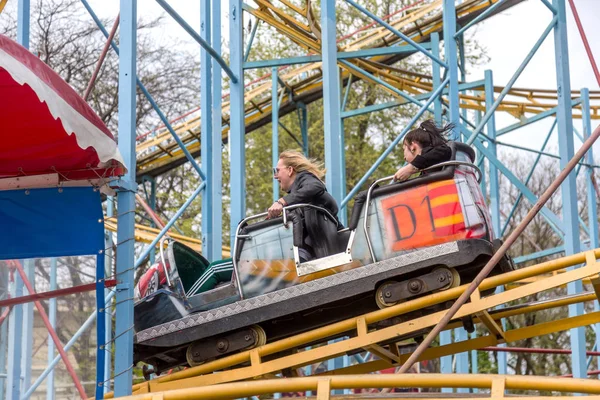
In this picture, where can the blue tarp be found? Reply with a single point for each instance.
(38, 223)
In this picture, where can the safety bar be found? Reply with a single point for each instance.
(457, 163)
(257, 216)
(162, 259)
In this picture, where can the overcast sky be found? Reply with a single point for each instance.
(507, 37)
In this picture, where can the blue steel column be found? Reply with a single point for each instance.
(331, 101)
(462, 359)
(15, 328)
(15, 342)
(236, 120)
(569, 187)
(23, 18)
(109, 265)
(591, 193)
(451, 59)
(304, 127)
(275, 128)
(26, 358)
(445, 336)
(3, 332)
(460, 334)
(152, 204)
(216, 175)
(491, 132)
(494, 190)
(206, 128)
(126, 198)
(592, 206)
(435, 74)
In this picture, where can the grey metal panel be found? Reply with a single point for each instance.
(298, 290)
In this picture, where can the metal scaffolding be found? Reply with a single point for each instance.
(327, 71)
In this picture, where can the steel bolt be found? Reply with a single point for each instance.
(388, 294)
(247, 338)
(414, 285)
(221, 345)
(442, 278)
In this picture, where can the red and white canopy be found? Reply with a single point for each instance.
(46, 128)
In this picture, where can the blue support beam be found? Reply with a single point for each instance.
(416, 99)
(216, 175)
(446, 361)
(462, 359)
(148, 97)
(303, 119)
(538, 117)
(108, 264)
(552, 219)
(345, 55)
(402, 36)
(450, 53)
(205, 45)
(445, 336)
(251, 40)
(210, 79)
(591, 193)
(15, 344)
(101, 311)
(436, 75)
(126, 200)
(479, 18)
(512, 80)
(569, 186)
(236, 121)
(331, 102)
(275, 128)
(26, 358)
(23, 21)
(3, 332)
(494, 178)
(528, 178)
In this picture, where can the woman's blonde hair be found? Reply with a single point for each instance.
(300, 163)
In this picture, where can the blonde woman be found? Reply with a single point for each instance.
(301, 178)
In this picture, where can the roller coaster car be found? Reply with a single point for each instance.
(404, 240)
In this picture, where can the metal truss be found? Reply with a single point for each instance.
(326, 64)
(363, 333)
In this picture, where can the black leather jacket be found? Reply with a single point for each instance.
(432, 155)
(309, 189)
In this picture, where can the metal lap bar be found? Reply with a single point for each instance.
(457, 164)
(366, 215)
(264, 214)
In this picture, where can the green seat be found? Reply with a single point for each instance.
(189, 263)
(217, 272)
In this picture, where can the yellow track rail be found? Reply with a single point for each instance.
(146, 234)
(160, 152)
(362, 333)
(496, 384)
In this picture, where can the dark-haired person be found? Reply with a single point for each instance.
(423, 147)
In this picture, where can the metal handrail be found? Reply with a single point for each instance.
(456, 163)
(162, 259)
(252, 217)
(391, 177)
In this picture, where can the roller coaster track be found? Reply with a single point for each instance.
(159, 153)
(381, 332)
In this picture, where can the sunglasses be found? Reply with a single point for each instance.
(276, 170)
